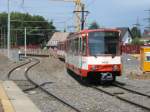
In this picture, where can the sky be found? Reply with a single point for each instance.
(107, 13)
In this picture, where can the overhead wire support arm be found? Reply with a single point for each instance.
(83, 16)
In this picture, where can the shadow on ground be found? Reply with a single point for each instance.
(88, 82)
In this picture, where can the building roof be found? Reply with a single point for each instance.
(57, 37)
(124, 30)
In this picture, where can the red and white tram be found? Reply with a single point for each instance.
(94, 53)
(61, 50)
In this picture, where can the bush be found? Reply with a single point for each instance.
(137, 41)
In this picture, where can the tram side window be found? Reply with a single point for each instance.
(69, 46)
(84, 46)
(76, 46)
(72, 47)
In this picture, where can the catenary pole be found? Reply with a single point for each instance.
(82, 17)
(8, 30)
(1, 36)
(25, 41)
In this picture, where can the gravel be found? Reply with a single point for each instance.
(70, 90)
(6, 65)
(131, 64)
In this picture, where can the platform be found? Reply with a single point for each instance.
(12, 99)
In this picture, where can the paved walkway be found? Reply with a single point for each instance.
(1, 108)
(14, 100)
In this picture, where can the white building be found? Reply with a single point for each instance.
(126, 36)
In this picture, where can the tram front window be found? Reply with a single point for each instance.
(103, 43)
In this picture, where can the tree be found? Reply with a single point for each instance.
(136, 41)
(136, 32)
(94, 25)
(35, 24)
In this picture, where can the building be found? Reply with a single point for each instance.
(126, 35)
(146, 38)
(57, 37)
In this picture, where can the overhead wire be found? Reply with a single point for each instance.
(90, 3)
(59, 15)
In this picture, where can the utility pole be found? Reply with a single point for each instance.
(25, 41)
(8, 30)
(81, 18)
(1, 36)
(4, 39)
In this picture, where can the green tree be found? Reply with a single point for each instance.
(136, 41)
(35, 24)
(94, 25)
(136, 32)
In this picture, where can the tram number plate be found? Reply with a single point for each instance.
(106, 76)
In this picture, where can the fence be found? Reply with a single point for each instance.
(130, 49)
(36, 52)
(30, 52)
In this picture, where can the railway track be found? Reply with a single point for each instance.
(36, 85)
(13, 69)
(121, 93)
(117, 84)
(121, 85)
(118, 95)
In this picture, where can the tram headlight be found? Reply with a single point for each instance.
(115, 68)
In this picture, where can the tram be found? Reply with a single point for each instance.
(94, 53)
